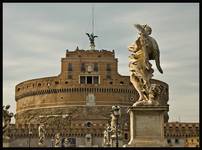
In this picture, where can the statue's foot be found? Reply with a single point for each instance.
(146, 103)
(149, 102)
(153, 102)
(139, 103)
(136, 104)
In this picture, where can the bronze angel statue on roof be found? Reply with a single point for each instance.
(92, 39)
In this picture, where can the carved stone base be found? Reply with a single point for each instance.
(147, 126)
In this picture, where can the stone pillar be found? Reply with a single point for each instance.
(147, 126)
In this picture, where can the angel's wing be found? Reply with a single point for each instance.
(88, 34)
(139, 27)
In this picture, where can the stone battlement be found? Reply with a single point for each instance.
(91, 53)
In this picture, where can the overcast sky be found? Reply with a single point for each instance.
(36, 35)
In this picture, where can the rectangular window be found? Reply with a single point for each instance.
(108, 67)
(95, 80)
(108, 75)
(96, 67)
(89, 80)
(82, 80)
(70, 67)
(83, 69)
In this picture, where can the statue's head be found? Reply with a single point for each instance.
(145, 29)
(148, 29)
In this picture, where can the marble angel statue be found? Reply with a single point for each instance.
(143, 49)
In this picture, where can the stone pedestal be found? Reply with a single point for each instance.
(147, 126)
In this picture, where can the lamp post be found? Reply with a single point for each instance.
(116, 112)
(30, 133)
(52, 141)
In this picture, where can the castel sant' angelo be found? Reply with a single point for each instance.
(77, 104)
(78, 101)
(86, 88)
(89, 104)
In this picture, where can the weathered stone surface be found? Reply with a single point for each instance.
(147, 126)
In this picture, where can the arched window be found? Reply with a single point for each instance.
(177, 141)
(169, 141)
